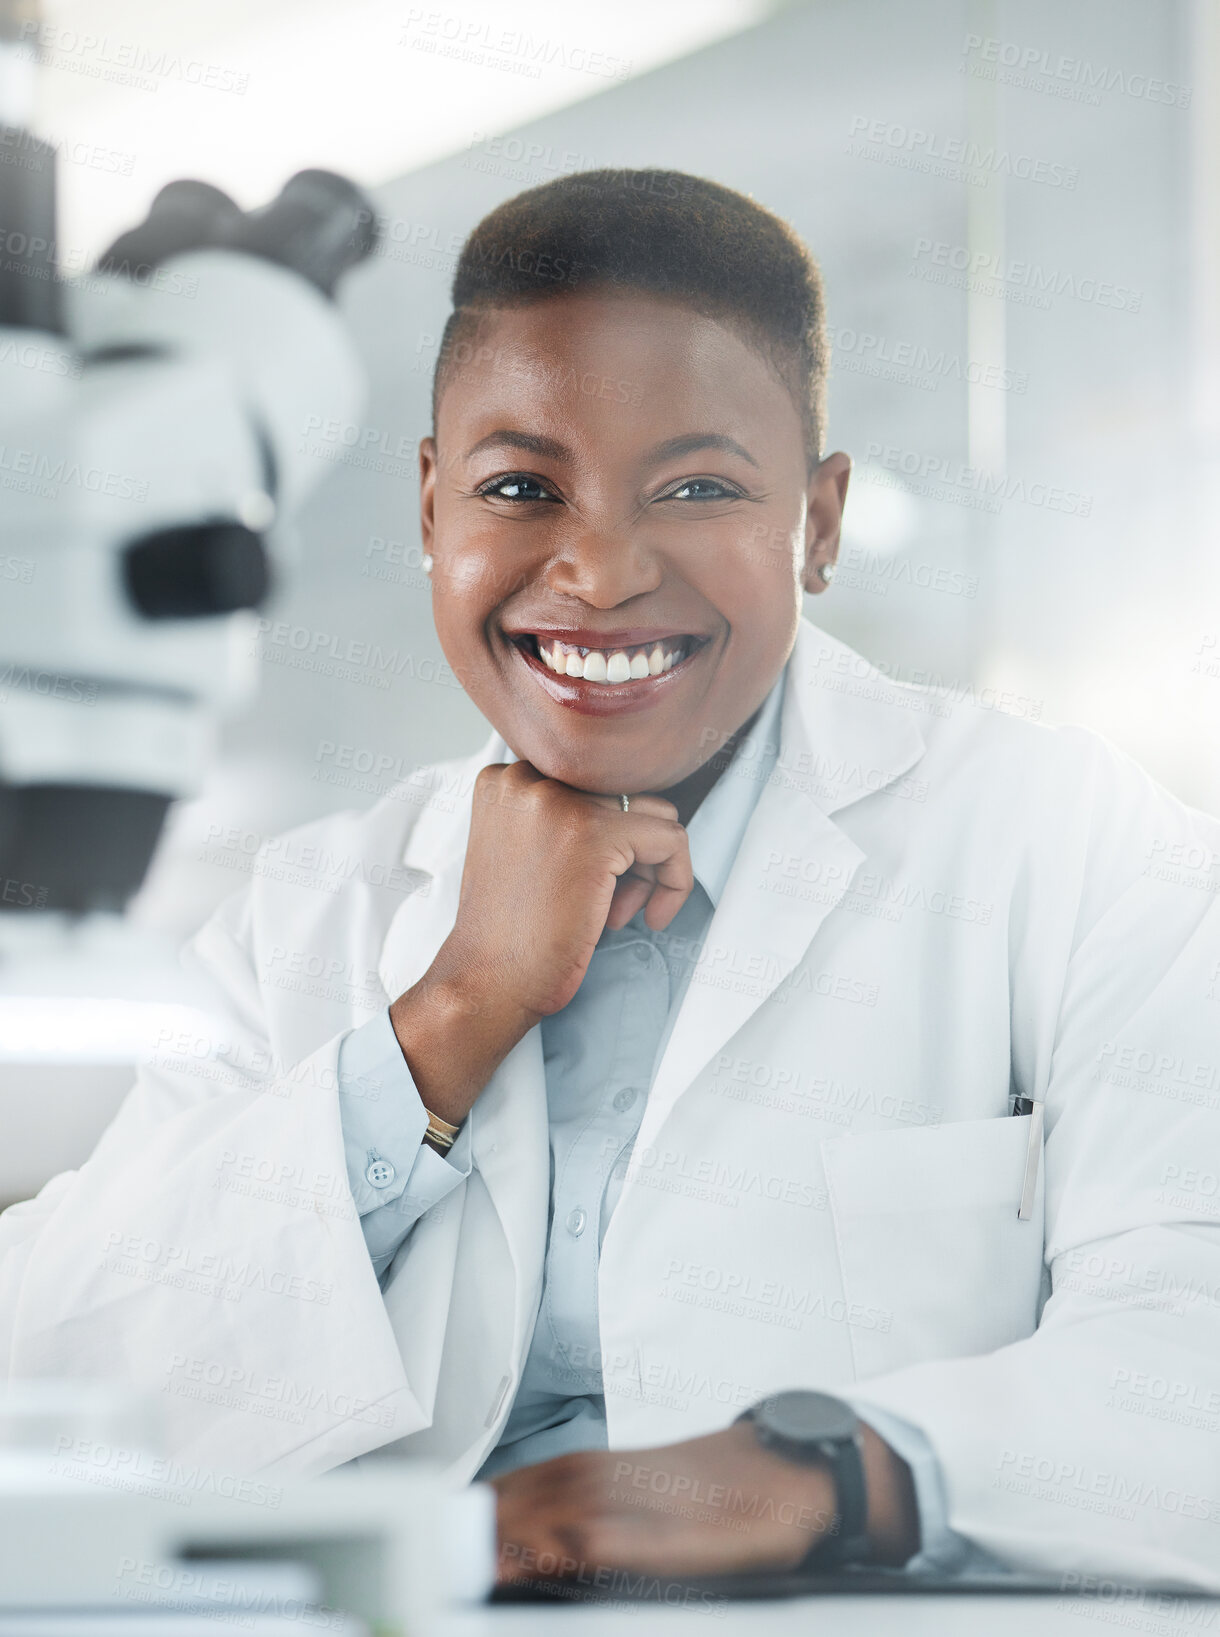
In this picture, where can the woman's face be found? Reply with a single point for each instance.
(616, 480)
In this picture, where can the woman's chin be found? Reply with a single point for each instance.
(601, 778)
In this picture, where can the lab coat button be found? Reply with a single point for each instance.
(380, 1173)
(624, 1098)
(576, 1223)
(643, 952)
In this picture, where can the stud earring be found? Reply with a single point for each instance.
(826, 573)
(426, 562)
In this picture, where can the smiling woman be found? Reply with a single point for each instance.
(556, 516)
(587, 545)
(699, 1196)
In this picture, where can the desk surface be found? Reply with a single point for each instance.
(1153, 1613)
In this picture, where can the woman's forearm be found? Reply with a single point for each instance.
(454, 1039)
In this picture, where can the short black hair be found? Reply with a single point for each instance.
(658, 231)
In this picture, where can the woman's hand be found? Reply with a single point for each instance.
(547, 869)
(720, 1504)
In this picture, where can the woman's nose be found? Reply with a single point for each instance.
(604, 566)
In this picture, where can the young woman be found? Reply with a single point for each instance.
(762, 1115)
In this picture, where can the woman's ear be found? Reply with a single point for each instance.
(824, 519)
(427, 491)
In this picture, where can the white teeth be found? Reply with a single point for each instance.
(598, 665)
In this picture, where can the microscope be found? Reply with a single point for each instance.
(151, 460)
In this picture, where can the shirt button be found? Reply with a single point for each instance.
(624, 1099)
(643, 952)
(380, 1173)
(576, 1223)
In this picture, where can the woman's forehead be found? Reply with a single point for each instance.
(639, 362)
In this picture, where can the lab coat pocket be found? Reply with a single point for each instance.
(930, 1239)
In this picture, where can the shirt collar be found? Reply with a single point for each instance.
(719, 823)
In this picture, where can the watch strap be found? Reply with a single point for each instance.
(846, 1541)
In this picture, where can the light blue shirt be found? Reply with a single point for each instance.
(600, 1054)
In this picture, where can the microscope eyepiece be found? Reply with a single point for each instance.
(318, 226)
(184, 216)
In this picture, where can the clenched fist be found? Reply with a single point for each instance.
(547, 869)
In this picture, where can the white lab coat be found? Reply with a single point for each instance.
(935, 907)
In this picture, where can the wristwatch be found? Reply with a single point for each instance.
(815, 1429)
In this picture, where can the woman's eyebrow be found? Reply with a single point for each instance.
(533, 444)
(690, 442)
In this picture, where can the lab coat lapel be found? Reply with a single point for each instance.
(435, 853)
(840, 740)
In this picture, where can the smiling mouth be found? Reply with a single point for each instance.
(609, 667)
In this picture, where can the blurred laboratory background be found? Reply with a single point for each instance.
(1016, 207)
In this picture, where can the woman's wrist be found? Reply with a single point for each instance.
(453, 1041)
(893, 1517)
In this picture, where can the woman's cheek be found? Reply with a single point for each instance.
(466, 573)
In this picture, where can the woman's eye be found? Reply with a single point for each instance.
(516, 486)
(703, 488)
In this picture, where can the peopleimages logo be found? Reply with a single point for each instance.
(57, 474)
(944, 478)
(914, 363)
(103, 57)
(1078, 79)
(1027, 282)
(912, 148)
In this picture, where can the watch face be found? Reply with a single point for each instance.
(803, 1417)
